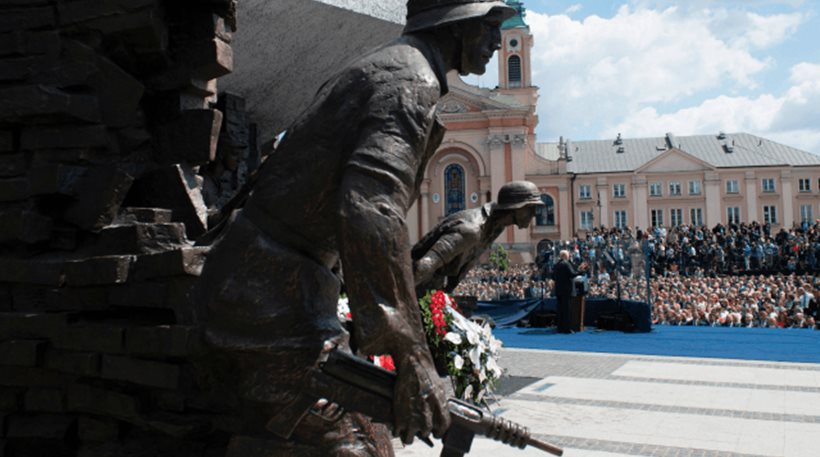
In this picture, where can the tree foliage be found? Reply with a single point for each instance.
(499, 258)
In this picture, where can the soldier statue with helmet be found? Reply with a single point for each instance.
(444, 255)
(337, 190)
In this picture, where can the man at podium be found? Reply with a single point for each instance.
(563, 275)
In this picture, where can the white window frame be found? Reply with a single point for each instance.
(732, 186)
(587, 219)
(696, 216)
(694, 188)
(656, 189)
(733, 215)
(770, 214)
(804, 184)
(656, 217)
(676, 217)
(620, 218)
(674, 188)
(585, 192)
(619, 190)
(768, 185)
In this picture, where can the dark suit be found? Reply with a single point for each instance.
(562, 274)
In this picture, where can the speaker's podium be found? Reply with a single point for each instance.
(573, 318)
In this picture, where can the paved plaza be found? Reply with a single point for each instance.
(608, 405)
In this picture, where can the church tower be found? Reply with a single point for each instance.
(514, 58)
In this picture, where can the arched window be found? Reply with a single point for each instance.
(454, 188)
(545, 215)
(514, 71)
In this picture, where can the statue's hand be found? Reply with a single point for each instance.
(420, 402)
(424, 269)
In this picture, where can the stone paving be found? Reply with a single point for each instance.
(725, 407)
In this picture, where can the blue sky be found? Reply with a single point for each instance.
(647, 67)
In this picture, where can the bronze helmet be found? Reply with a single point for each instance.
(428, 14)
(518, 194)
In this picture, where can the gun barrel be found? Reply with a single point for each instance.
(358, 385)
(546, 447)
(496, 428)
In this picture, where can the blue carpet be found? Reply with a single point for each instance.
(767, 344)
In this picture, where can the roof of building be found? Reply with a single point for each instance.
(516, 21)
(735, 150)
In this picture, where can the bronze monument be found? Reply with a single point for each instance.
(444, 255)
(337, 190)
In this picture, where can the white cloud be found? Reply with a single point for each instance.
(801, 108)
(723, 113)
(747, 30)
(728, 4)
(662, 65)
(574, 8)
(599, 71)
(806, 140)
(790, 119)
(767, 31)
(734, 21)
(805, 72)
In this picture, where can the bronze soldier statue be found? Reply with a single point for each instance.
(444, 255)
(337, 189)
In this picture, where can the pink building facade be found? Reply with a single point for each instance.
(638, 183)
(677, 187)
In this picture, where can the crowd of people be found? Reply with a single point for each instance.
(751, 301)
(738, 275)
(516, 282)
(733, 249)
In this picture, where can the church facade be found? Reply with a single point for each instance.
(667, 180)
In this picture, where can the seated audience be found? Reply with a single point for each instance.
(733, 276)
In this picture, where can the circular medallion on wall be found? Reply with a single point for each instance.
(436, 198)
(474, 197)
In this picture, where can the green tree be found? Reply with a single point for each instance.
(499, 258)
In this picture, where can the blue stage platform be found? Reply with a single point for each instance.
(507, 313)
(768, 344)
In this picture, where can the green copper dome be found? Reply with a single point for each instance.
(516, 21)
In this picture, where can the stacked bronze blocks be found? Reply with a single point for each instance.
(109, 111)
